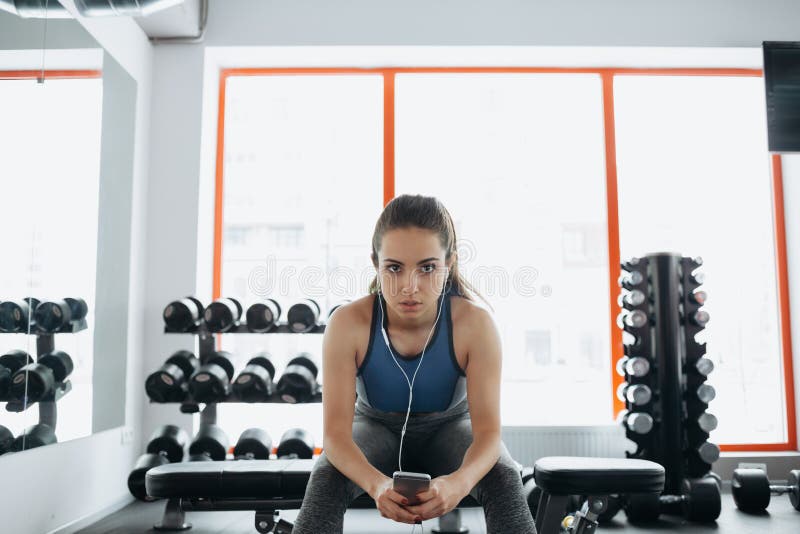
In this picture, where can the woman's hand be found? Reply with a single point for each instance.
(444, 495)
(391, 504)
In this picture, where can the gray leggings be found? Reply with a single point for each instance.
(434, 444)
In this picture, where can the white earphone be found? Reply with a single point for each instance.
(410, 382)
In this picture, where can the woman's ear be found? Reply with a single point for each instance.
(453, 260)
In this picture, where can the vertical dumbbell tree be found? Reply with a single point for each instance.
(638, 363)
(665, 391)
(701, 453)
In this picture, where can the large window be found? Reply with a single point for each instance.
(302, 191)
(499, 150)
(524, 159)
(694, 177)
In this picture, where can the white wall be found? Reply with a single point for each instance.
(503, 22)
(63, 485)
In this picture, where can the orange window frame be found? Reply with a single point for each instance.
(607, 76)
(49, 74)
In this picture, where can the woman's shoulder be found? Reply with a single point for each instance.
(466, 311)
(359, 311)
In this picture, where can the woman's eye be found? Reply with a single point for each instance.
(391, 267)
(430, 268)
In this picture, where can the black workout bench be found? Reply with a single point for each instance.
(268, 486)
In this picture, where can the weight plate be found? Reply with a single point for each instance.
(612, 509)
(750, 490)
(703, 500)
(642, 507)
(794, 482)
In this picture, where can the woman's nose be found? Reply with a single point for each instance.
(410, 284)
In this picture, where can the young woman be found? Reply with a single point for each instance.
(418, 327)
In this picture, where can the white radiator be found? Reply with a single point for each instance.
(529, 443)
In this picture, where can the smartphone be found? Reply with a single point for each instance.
(408, 484)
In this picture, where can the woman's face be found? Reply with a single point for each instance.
(411, 270)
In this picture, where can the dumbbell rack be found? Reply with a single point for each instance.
(667, 341)
(207, 346)
(45, 343)
(174, 514)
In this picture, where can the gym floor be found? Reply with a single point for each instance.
(139, 517)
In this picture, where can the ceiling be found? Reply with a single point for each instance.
(176, 21)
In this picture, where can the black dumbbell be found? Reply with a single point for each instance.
(632, 280)
(638, 422)
(38, 380)
(136, 478)
(78, 307)
(631, 299)
(211, 382)
(17, 315)
(633, 366)
(263, 316)
(635, 394)
(708, 452)
(170, 441)
(210, 441)
(613, 507)
(700, 500)
(34, 436)
(296, 443)
(222, 315)
(183, 315)
(303, 316)
(253, 444)
(170, 382)
(10, 363)
(298, 383)
(752, 489)
(255, 382)
(633, 319)
(167, 444)
(6, 439)
(52, 316)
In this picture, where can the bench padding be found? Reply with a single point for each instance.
(566, 475)
(241, 479)
(251, 483)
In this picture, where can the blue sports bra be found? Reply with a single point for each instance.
(440, 384)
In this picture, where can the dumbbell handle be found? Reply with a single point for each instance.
(780, 489)
(672, 499)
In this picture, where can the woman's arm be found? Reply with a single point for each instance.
(483, 394)
(338, 400)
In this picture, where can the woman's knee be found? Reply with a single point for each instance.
(325, 473)
(325, 477)
(503, 476)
